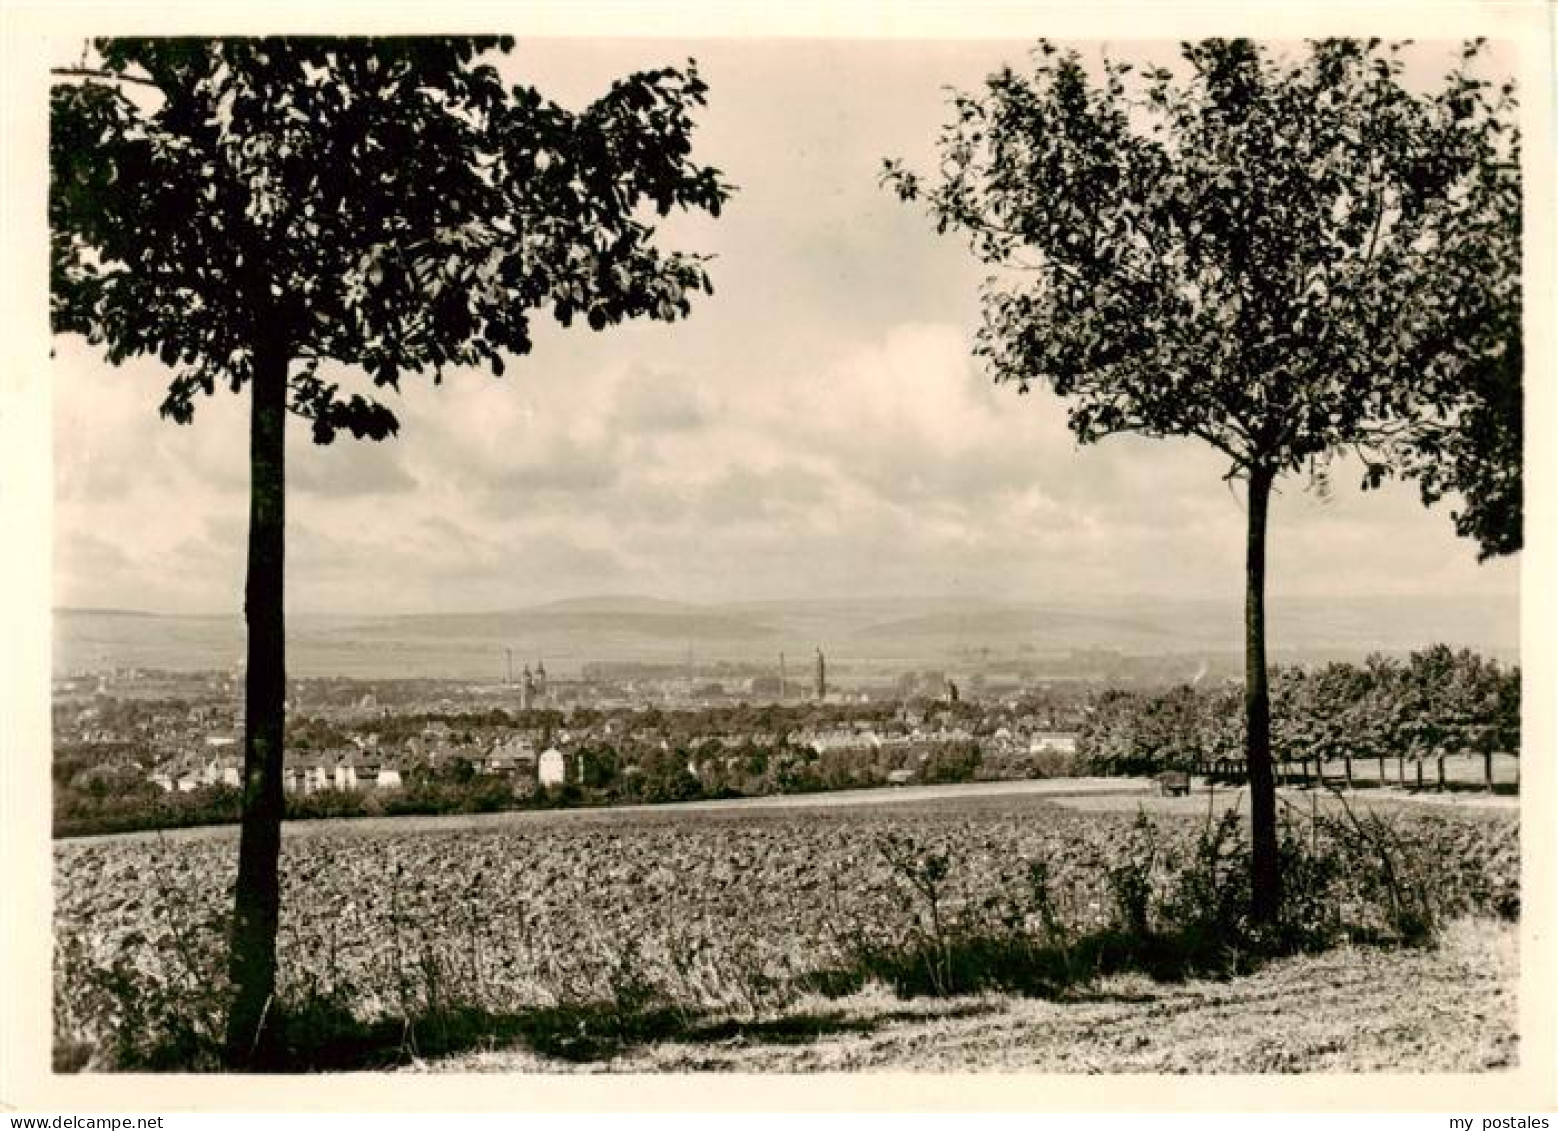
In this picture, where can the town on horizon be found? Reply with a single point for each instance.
(648, 629)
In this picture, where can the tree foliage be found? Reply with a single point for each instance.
(1437, 700)
(1290, 260)
(1283, 259)
(387, 204)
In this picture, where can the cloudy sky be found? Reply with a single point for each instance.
(817, 428)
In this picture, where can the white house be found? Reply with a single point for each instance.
(840, 739)
(1050, 741)
(318, 773)
(515, 756)
(367, 769)
(183, 775)
(550, 770)
(225, 770)
(308, 771)
(349, 774)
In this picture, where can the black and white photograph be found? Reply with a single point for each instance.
(687, 547)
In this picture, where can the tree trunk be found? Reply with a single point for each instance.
(252, 960)
(1265, 875)
(1487, 768)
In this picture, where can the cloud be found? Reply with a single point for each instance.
(561, 467)
(649, 401)
(819, 426)
(446, 563)
(347, 468)
(87, 569)
(110, 443)
(742, 495)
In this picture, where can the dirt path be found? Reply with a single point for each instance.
(1086, 793)
(1351, 1010)
(1199, 801)
(1125, 789)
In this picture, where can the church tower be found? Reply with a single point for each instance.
(822, 677)
(527, 690)
(540, 679)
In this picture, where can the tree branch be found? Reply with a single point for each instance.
(107, 76)
(1379, 216)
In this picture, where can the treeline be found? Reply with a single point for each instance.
(752, 770)
(141, 806)
(659, 756)
(681, 725)
(1437, 702)
(597, 775)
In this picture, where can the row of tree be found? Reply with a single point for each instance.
(1436, 702)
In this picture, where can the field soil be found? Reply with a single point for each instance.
(760, 938)
(1357, 1009)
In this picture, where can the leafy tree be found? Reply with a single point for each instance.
(1429, 676)
(1375, 721)
(1506, 719)
(1338, 689)
(600, 766)
(1278, 258)
(1220, 724)
(1293, 725)
(1459, 702)
(283, 213)
(1106, 739)
(952, 762)
(1473, 448)
(1172, 728)
(1477, 695)
(666, 777)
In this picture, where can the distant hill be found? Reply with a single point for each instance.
(618, 603)
(88, 612)
(923, 632)
(1011, 623)
(549, 622)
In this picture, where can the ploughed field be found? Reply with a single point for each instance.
(624, 940)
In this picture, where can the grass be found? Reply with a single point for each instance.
(1356, 1008)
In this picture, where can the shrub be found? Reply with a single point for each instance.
(1130, 880)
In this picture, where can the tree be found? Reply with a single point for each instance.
(1220, 725)
(1455, 700)
(1278, 258)
(284, 213)
(1505, 722)
(1376, 720)
(1337, 691)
